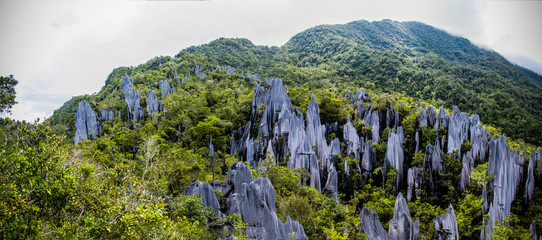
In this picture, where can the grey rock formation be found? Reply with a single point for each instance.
(529, 185)
(422, 119)
(132, 98)
(370, 225)
(467, 167)
(446, 226)
(165, 88)
(211, 147)
(332, 183)
(254, 201)
(315, 130)
(414, 183)
(433, 163)
(375, 123)
(442, 119)
(351, 139)
(237, 175)
(417, 139)
(505, 166)
(106, 115)
(153, 104)
(368, 161)
(362, 96)
(314, 173)
(539, 162)
(207, 193)
(401, 225)
(532, 229)
(431, 116)
(458, 129)
(86, 123)
(394, 153)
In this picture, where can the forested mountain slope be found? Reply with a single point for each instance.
(379, 130)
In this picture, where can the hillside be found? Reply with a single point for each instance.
(378, 130)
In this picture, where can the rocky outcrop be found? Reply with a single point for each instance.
(414, 181)
(375, 124)
(529, 185)
(135, 112)
(401, 225)
(532, 229)
(370, 225)
(446, 226)
(368, 161)
(153, 104)
(207, 193)
(332, 183)
(394, 153)
(505, 166)
(458, 129)
(106, 115)
(86, 123)
(254, 201)
(165, 88)
(467, 167)
(422, 119)
(351, 139)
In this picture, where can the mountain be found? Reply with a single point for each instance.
(379, 130)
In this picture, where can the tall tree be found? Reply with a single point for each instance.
(7, 93)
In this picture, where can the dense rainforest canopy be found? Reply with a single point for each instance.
(344, 124)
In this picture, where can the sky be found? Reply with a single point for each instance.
(60, 49)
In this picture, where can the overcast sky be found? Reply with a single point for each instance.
(60, 49)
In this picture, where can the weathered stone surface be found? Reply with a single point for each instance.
(86, 123)
(332, 183)
(106, 115)
(165, 88)
(401, 225)
(431, 116)
(532, 229)
(207, 193)
(368, 162)
(362, 96)
(254, 201)
(394, 153)
(505, 166)
(182, 80)
(375, 124)
(315, 130)
(467, 167)
(314, 173)
(417, 139)
(132, 98)
(446, 226)
(422, 118)
(351, 139)
(414, 183)
(529, 185)
(237, 175)
(539, 162)
(442, 119)
(370, 225)
(211, 147)
(433, 163)
(153, 104)
(484, 202)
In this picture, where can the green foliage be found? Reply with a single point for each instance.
(7, 93)
(509, 229)
(469, 216)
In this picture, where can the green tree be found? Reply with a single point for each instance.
(7, 93)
